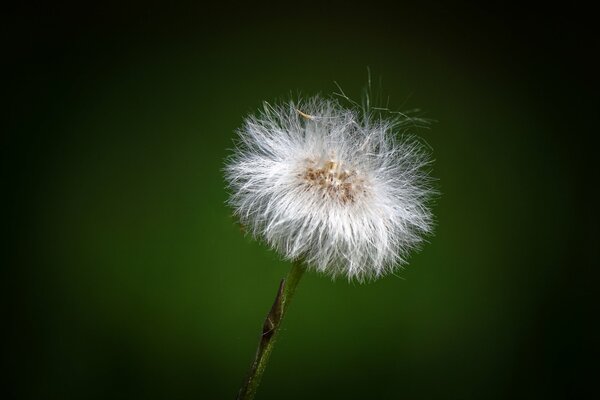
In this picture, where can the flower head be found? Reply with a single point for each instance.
(331, 185)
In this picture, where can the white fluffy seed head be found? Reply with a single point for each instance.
(332, 186)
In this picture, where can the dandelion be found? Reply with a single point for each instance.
(331, 188)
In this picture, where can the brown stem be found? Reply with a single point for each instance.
(270, 331)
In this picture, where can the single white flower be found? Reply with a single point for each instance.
(332, 186)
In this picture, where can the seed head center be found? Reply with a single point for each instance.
(332, 180)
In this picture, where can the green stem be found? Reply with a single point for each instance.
(270, 330)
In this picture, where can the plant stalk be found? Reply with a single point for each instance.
(270, 330)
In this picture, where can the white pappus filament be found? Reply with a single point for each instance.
(331, 185)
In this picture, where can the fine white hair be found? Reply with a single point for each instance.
(333, 186)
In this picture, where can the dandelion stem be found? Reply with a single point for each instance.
(270, 330)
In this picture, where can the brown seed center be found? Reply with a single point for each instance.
(333, 181)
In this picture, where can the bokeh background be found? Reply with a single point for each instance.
(128, 277)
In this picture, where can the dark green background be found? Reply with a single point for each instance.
(128, 277)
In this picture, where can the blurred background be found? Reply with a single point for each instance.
(127, 276)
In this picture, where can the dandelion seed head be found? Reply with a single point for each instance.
(332, 185)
